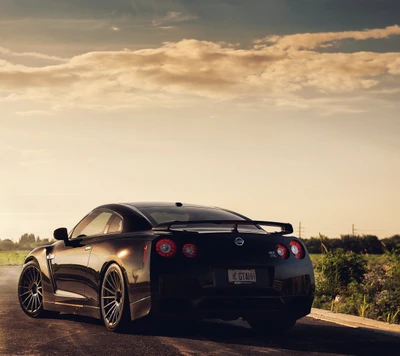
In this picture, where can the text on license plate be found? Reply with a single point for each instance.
(242, 276)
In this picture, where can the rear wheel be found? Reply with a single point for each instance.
(30, 290)
(114, 301)
(271, 326)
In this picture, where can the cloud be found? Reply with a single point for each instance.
(314, 40)
(167, 27)
(173, 17)
(114, 28)
(6, 51)
(179, 73)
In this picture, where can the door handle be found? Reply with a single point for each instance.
(87, 248)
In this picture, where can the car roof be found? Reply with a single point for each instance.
(139, 209)
(139, 205)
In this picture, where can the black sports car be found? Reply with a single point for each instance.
(122, 262)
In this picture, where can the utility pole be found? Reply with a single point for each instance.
(300, 228)
(352, 229)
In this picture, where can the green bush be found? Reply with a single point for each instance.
(337, 270)
(346, 283)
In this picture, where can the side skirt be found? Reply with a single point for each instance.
(62, 307)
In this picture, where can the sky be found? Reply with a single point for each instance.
(284, 110)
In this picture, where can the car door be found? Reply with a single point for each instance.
(69, 261)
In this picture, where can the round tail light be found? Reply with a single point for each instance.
(297, 249)
(166, 248)
(282, 251)
(189, 250)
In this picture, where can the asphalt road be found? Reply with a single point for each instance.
(74, 335)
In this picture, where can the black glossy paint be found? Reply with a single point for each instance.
(72, 272)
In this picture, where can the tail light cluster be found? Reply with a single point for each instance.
(189, 250)
(295, 247)
(168, 248)
(282, 251)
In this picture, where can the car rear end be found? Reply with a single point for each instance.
(227, 273)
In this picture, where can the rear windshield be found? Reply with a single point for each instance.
(159, 214)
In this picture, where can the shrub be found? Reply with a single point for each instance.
(347, 284)
(337, 270)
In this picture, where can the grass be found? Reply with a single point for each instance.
(316, 257)
(12, 258)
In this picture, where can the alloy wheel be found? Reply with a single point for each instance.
(112, 297)
(30, 290)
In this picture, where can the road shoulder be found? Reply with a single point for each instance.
(356, 322)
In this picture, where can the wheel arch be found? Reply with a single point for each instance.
(39, 256)
(30, 258)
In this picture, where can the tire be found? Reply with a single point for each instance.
(30, 291)
(114, 302)
(271, 326)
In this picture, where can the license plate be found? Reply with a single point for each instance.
(242, 276)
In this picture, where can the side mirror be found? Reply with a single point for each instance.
(61, 234)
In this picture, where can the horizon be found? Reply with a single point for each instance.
(296, 230)
(51, 238)
(278, 110)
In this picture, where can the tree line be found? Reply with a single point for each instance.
(25, 242)
(370, 244)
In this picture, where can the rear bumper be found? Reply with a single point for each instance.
(232, 307)
(178, 297)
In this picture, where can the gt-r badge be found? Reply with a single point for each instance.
(239, 241)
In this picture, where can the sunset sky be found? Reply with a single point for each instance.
(281, 110)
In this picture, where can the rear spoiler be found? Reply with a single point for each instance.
(285, 227)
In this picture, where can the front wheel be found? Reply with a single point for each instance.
(271, 327)
(114, 301)
(30, 290)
